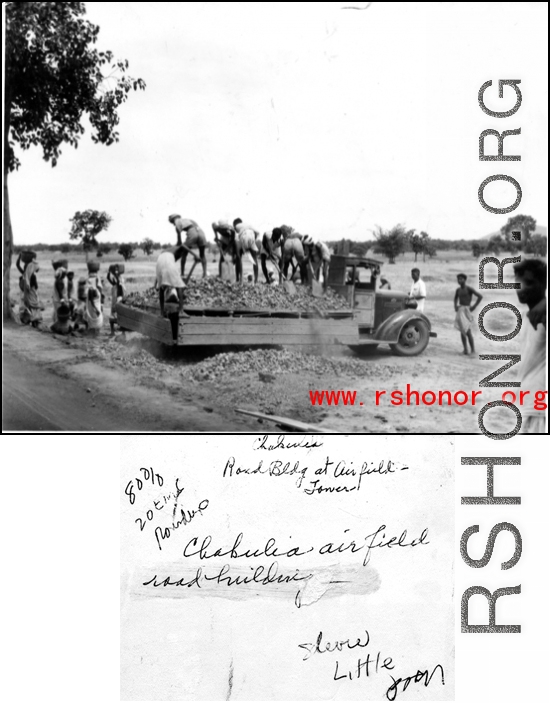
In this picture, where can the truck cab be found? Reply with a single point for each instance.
(382, 315)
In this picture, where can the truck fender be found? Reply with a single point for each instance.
(390, 329)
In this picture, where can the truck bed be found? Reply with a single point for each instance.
(242, 328)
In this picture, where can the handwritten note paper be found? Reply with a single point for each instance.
(286, 567)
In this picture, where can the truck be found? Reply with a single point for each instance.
(375, 316)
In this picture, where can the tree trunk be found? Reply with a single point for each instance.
(7, 312)
(8, 250)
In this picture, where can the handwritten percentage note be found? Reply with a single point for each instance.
(138, 483)
(169, 504)
(241, 543)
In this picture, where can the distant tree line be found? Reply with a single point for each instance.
(66, 247)
(398, 240)
(391, 243)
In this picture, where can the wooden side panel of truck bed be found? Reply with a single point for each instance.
(249, 331)
(153, 326)
(239, 331)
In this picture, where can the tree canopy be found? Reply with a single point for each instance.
(525, 224)
(54, 75)
(390, 242)
(126, 251)
(87, 225)
(147, 246)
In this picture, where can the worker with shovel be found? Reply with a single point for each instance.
(270, 250)
(224, 236)
(320, 258)
(246, 244)
(194, 239)
(293, 248)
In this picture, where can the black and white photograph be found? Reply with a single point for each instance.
(300, 217)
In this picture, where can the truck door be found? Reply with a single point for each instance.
(364, 297)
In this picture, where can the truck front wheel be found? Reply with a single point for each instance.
(413, 339)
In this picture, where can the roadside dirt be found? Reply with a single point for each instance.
(53, 383)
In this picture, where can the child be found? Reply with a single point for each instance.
(62, 325)
(464, 308)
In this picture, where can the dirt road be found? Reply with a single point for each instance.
(53, 384)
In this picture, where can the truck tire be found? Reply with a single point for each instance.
(363, 349)
(413, 339)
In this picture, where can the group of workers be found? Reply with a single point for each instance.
(73, 311)
(282, 246)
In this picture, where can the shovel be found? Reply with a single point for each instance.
(289, 287)
(317, 289)
(227, 271)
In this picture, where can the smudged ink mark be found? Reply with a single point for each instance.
(230, 681)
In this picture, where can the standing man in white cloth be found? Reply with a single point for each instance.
(531, 275)
(169, 280)
(418, 290)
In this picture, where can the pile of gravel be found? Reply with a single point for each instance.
(214, 293)
(270, 364)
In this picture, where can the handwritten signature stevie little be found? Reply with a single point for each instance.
(368, 664)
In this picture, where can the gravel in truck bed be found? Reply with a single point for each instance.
(215, 293)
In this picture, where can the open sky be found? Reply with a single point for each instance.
(331, 120)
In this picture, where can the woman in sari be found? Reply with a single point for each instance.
(59, 290)
(118, 291)
(94, 307)
(31, 308)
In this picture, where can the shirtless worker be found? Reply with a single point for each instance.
(224, 236)
(270, 250)
(246, 243)
(293, 248)
(320, 259)
(531, 275)
(194, 238)
(464, 309)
